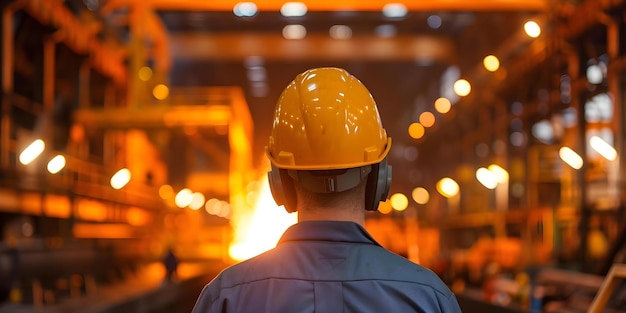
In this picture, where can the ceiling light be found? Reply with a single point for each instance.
(56, 164)
(340, 32)
(293, 9)
(420, 195)
(532, 29)
(442, 105)
(603, 148)
(120, 178)
(570, 157)
(594, 74)
(245, 9)
(294, 32)
(486, 178)
(447, 187)
(491, 63)
(462, 87)
(32, 151)
(434, 21)
(395, 10)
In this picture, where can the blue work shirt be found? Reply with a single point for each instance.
(326, 266)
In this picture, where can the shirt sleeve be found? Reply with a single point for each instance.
(207, 303)
(203, 303)
(449, 304)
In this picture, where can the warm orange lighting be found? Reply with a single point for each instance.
(420, 195)
(138, 217)
(166, 192)
(501, 174)
(427, 119)
(216, 207)
(570, 157)
(120, 179)
(197, 201)
(258, 230)
(462, 87)
(145, 73)
(183, 198)
(57, 206)
(109, 231)
(91, 210)
(161, 92)
(491, 63)
(532, 29)
(486, 178)
(32, 151)
(447, 187)
(294, 32)
(384, 207)
(416, 130)
(56, 164)
(442, 105)
(399, 202)
(603, 148)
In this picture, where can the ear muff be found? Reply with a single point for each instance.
(378, 183)
(282, 188)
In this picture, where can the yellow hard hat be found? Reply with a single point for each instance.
(326, 119)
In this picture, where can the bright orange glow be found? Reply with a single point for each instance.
(57, 206)
(399, 202)
(487, 178)
(216, 207)
(32, 151)
(570, 157)
(166, 192)
(501, 174)
(161, 92)
(427, 119)
(183, 198)
(604, 148)
(56, 164)
(447, 187)
(197, 201)
(94, 230)
(532, 29)
(420, 195)
(91, 210)
(442, 105)
(120, 179)
(259, 230)
(416, 130)
(385, 207)
(145, 73)
(138, 217)
(462, 87)
(491, 63)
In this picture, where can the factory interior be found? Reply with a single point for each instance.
(135, 129)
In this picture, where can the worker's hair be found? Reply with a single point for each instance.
(351, 198)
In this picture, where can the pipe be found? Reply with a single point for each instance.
(8, 52)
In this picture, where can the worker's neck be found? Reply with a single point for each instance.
(331, 215)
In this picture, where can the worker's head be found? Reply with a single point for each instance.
(327, 137)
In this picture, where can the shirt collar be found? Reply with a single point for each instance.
(337, 231)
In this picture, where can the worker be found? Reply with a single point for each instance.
(328, 154)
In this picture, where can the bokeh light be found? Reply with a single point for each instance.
(420, 195)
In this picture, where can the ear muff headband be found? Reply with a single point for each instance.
(376, 190)
(378, 184)
(282, 188)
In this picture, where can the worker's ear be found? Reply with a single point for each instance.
(282, 188)
(378, 183)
